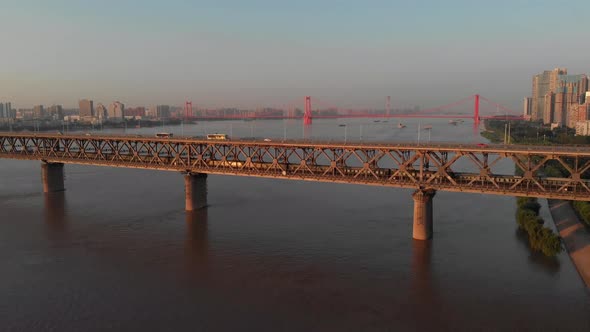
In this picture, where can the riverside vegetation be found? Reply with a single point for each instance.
(534, 133)
(540, 238)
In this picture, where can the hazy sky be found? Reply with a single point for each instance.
(252, 53)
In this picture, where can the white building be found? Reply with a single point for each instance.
(583, 128)
(71, 118)
(151, 111)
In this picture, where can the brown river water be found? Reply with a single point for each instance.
(116, 251)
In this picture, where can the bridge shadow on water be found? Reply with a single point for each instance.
(423, 287)
(55, 212)
(197, 241)
(421, 268)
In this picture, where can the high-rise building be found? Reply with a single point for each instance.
(151, 111)
(6, 111)
(579, 112)
(56, 112)
(163, 111)
(116, 111)
(38, 112)
(554, 94)
(543, 84)
(135, 111)
(528, 107)
(101, 111)
(86, 107)
(570, 92)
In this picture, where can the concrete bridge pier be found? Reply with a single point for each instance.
(423, 213)
(195, 189)
(52, 176)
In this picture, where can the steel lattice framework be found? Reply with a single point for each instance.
(449, 167)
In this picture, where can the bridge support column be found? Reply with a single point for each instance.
(423, 214)
(195, 189)
(52, 176)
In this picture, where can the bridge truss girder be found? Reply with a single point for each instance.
(448, 167)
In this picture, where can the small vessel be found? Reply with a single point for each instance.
(377, 121)
(453, 122)
(342, 125)
(400, 125)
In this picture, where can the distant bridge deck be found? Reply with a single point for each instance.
(440, 166)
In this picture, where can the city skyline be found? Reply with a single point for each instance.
(264, 54)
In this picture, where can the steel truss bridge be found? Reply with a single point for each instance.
(434, 166)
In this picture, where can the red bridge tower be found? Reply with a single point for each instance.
(476, 110)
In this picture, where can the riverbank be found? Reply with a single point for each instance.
(574, 235)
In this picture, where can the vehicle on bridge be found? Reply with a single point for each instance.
(221, 137)
(228, 163)
(164, 135)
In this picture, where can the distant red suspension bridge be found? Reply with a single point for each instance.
(439, 112)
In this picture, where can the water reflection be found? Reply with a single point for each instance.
(197, 241)
(55, 212)
(475, 132)
(421, 284)
(307, 132)
(423, 292)
(550, 265)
